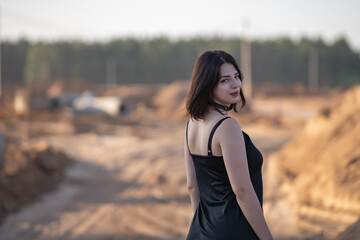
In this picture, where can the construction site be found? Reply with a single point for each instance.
(90, 162)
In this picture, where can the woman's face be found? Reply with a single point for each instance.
(227, 90)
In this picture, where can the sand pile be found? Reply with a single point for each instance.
(170, 100)
(320, 170)
(28, 172)
(351, 233)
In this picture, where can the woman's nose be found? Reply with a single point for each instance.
(235, 83)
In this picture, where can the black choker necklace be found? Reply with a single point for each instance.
(222, 107)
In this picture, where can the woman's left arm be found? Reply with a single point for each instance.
(233, 149)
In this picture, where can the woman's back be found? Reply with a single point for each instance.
(199, 133)
(218, 215)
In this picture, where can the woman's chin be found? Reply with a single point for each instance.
(235, 101)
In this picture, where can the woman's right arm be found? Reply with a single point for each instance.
(232, 145)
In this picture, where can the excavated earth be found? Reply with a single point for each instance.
(100, 177)
(318, 173)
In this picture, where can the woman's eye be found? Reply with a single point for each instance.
(237, 76)
(224, 80)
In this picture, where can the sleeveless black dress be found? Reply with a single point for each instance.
(218, 215)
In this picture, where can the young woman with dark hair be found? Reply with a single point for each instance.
(223, 167)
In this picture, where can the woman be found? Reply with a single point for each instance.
(223, 167)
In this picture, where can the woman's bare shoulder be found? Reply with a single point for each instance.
(230, 128)
(231, 123)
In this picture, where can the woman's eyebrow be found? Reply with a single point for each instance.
(229, 75)
(225, 76)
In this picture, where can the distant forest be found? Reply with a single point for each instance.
(162, 60)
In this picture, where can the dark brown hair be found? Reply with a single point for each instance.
(205, 76)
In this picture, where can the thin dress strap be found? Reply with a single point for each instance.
(212, 134)
(187, 142)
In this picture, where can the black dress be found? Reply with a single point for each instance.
(218, 215)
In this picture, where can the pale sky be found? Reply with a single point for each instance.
(92, 20)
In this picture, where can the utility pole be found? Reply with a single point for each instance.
(313, 69)
(245, 55)
(111, 72)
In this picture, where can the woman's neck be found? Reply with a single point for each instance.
(223, 107)
(213, 110)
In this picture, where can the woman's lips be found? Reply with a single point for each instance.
(235, 94)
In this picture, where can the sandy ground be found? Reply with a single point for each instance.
(129, 181)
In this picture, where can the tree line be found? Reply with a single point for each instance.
(162, 60)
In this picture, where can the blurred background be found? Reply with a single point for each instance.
(92, 114)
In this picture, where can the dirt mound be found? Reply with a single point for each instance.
(28, 173)
(170, 100)
(351, 233)
(320, 170)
